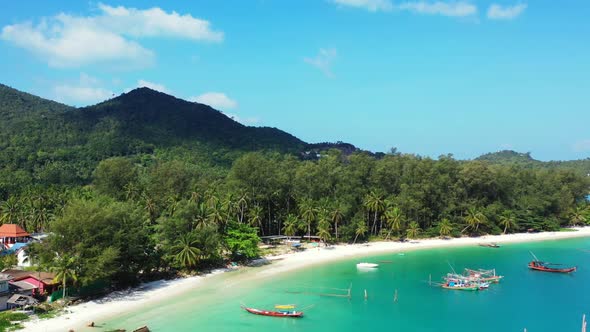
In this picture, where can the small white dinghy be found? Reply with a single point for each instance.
(367, 265)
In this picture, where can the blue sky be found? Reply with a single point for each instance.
(427, 77)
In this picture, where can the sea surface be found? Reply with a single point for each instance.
(537, 301)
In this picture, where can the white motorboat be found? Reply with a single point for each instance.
(365, 265)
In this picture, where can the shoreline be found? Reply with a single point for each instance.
(77, 316)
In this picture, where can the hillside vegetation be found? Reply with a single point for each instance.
(147, 184)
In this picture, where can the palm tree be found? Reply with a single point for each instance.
(65, 270)
(172, 203)
(474, 218)
(324, 226)
(230, 207)
(195, 197)
(375, 203)
(10, 210)
(445, 227)
(324, 232)
(308, 213)
(577, 216)
(151, 208)
(131, 191)
(337, 215)
(361, 230)
(185, 250)
(290, 225)
(40, 217)
(215, 215)
(394, 219)
(212, 200)
(255, 217)
(202, 216)
(507, 220)
(242, 206)
(413, 230)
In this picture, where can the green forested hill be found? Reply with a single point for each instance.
(46, 142)
(508, 157)
(162, 120)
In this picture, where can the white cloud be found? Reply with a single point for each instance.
(216, 100)
(70, 41)
(83, 92)
(153, 86)
(370, 5)
(456, 9)
(497, 12)
(155, 22)
(65, 45)
(453, 8)
(582, 146)
(323, 61)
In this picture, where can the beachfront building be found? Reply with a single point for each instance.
(32, 282)
(11, 234)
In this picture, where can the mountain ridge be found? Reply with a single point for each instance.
(151, 117)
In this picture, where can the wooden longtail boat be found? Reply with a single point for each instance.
(545, 267)
(292, 314)
(538, 265)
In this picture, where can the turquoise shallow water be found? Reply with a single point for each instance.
(536, 300)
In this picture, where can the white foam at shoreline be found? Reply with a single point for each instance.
(160, 291)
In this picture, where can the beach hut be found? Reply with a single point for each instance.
(20, 301)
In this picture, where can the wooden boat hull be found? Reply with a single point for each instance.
(469, 288)
(491, 245)
(284, 314)
(548, 269)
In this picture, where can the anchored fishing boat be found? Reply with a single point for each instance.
(547, 267)
(483, 275)
(458, 284)
(280, 313)
(470, 280)
(538, 265)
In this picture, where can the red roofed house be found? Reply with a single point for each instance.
(36, 282)
(11, 234)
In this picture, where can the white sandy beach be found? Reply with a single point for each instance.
(100, 310)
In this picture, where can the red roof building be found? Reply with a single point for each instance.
(12, 233)
(38, 282)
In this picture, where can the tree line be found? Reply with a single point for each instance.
(148, 215)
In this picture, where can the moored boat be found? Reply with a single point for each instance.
(281, 313)
(538, 265)
(547, 267)
(365, 265)
(483, 275)
(460, 286)
(490, 245)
